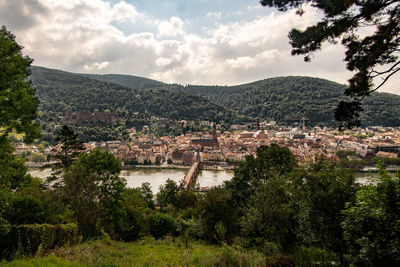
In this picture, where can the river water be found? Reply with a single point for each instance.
(206, 178)
(157, 177)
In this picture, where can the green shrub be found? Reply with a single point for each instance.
(161, 224)
(25, 209)
(31, 239)
(220, 232)
(270, 249)
(234, 256)
(193, 226)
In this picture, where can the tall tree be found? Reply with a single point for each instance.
(18, 102)
(269, 217)
(270, 161)
(18, 110)
(68, 149)
(372, 224)
(93, 189)
(168, 194)
(369, 56)
(320, 194)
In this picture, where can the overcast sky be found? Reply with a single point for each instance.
(213, 42)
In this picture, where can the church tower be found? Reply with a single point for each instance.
(214, 132)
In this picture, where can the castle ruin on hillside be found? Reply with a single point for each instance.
(88, 118)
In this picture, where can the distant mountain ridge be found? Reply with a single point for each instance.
(287, 99)
(284, 99)
(134, 82)
(59, 91)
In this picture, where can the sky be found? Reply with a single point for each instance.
(208, 42)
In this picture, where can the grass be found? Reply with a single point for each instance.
(168, 252)
(147, 252)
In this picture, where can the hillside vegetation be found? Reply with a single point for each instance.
(134, 82)
(287, 99)
(59, 91)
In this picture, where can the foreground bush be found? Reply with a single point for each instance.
(31, 239)
(161, 224)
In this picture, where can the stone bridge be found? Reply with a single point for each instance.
(191, 175)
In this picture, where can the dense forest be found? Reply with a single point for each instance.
(59, 91)
(134, 82)
(286, 99)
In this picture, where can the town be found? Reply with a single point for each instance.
(224, 149)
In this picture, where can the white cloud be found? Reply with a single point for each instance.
(123, 11)
(241, 62)
(162, 61)
(97, 66)
(216, 15)
(171, 28)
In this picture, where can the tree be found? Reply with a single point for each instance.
(168, 194)
(71, 146)
(18, 110)
(18, 103)
(137, 213)
(147, 194)
(217, 207)
(68, 149)
(269, 217)
(161, 224)
(187, 199)
(270, 161)
(92, 187)
(320, 194)
(370, 56)
(372, 224)
(12, 168)
(25, 209)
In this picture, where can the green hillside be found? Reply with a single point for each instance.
(59, 91)
(134, 82)
(287, 99)
(284, 99)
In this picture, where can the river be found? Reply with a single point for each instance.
(206, 178)
(157, 177)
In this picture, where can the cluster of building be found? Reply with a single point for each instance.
(234, 146)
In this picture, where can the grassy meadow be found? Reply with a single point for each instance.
(147, 252)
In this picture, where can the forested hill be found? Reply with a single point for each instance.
(59, 91)
(134, 82)
(289, 98)
(285, 99)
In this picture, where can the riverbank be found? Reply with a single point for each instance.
(158, 167)
(177, 167)
(376, 169)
